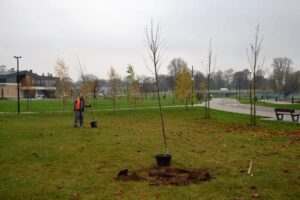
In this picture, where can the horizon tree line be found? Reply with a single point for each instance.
(284, 79)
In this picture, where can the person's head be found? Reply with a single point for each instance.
(81, 96)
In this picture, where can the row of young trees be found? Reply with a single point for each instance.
(180, 80)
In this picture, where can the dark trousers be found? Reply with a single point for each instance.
(78, 117)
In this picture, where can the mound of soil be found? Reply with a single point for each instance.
(167, 176)
(123, 175)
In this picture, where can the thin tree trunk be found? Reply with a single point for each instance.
(192, 99)
(253, 61)
(63, 105)
(254, 99)
(208, 81)
(186, 102)
(251, 103)
(153, 38)
(254, 85)
(208, 95)
(159, 104)
(63, 109)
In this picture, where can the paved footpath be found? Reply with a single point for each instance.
(232, 105)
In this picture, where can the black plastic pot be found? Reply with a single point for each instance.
(93, 124)
(163, 160)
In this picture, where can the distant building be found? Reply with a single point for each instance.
(224, 89)
(31, 85)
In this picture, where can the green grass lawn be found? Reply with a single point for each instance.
(43, 157)
(55, 105)
(273, 105)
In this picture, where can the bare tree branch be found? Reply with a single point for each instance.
(255, 65)
(147, 66)
(155, 47)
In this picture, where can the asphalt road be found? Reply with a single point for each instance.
(232, 105)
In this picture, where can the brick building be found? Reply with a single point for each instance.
(31, 85)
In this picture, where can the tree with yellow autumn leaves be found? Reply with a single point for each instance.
(133, 87)
(63, 82)
(114, 85)
(184, 86)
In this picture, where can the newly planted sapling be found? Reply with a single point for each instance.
(155, 49)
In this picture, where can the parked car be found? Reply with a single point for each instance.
(41, 96)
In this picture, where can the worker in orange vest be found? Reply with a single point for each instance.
(79, 106)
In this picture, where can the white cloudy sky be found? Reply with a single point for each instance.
(106, 33)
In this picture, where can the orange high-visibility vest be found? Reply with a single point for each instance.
(77, 104)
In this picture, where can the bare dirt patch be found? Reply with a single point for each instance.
(295, 137)
(167, 176)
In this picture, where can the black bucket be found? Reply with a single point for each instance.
(94, 124)
(163, 160)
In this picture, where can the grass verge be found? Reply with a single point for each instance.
(43, 157)
(273, 105)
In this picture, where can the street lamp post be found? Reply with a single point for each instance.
(18, 82)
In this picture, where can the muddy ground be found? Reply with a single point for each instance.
(166, 176)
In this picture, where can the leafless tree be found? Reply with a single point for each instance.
(210, 64)
(90, 84)
(228, 76)
(282, 68)
(255, 65)
(146, 85)
(175, 66)
(114, 86)
(156, 49)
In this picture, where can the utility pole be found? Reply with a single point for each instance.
(18, 82)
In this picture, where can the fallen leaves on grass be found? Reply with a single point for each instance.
(157, 195)
(75, 196)
(60, 186)
(255, 195)
(239, 198)
(294, 136)
(119, 191)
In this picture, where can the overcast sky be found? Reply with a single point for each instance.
(111, 33)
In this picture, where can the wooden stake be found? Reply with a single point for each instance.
(250, 168)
